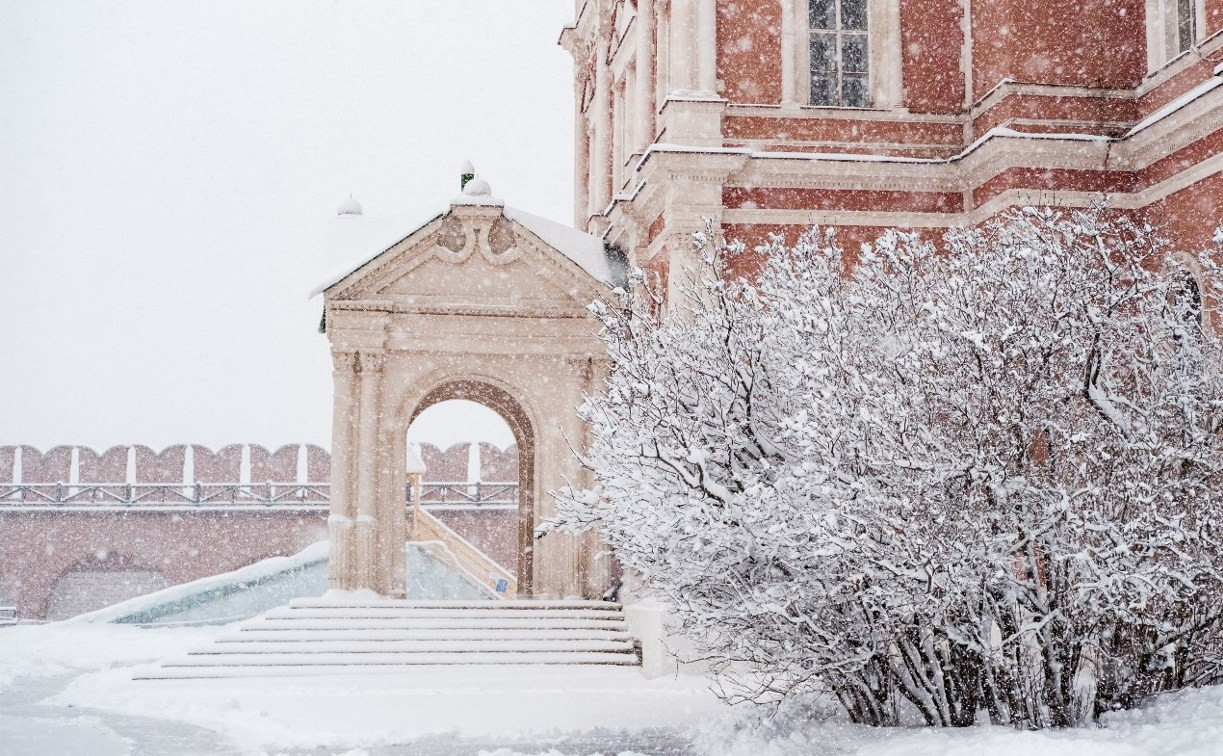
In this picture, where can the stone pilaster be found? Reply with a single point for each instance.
(682, 44)
(644, 126)
(600, 158)
(369, 382)
(707, 47)
(340, 521)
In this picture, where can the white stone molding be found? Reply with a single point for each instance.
(1180, 262)
(662, 55)
(966, 53)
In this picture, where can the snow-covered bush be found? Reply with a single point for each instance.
(986, 477)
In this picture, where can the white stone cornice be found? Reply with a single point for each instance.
(816, 113)
(1196, 120)
(1008, 88)
(366, 305)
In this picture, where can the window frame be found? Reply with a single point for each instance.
(883, 75)
(1163, 23)
(1183, 267)
(838, 75)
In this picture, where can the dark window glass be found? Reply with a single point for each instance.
(853, 14)
(822, 90)
(823, 53)
(1186, 21)
(822, 14)
(1188, 302)
(855, 91)
(853, 53)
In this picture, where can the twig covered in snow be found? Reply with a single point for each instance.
(987, 477)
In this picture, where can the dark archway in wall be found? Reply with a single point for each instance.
(100, 580)
(499, 401)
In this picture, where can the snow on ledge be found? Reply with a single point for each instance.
(843, 157)
(1210, 84)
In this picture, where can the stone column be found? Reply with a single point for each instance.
(369, 371)
(600, 146)
(392, 531)
(644, 131)
(340, 521)
(707, 47)
(693, 201)
(683, 33)
(581, 137)
(596, 569)
(789, 54)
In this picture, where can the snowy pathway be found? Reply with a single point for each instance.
(469, 708)
(28, 726)
(68, 689)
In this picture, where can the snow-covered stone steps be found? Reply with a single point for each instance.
(433, 623)
(481, 645)
(516, 605)
(400, 659)
(259, 633)
(313, 636)
(385, 612)
(356, 664)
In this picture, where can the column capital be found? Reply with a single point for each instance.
(343, 362)
(369, 360)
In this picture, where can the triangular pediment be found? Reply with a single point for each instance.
(472, 260)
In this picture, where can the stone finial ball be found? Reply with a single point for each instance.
(478, 188)
(349, 207)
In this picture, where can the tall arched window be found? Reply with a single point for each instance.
(1186, 301)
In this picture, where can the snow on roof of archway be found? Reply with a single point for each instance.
(584, 249)
(350, 241)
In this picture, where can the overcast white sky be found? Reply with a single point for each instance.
(166, 168)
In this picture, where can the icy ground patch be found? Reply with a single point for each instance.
(67, 688)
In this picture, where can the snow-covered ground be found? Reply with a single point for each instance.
(67, 688)
(80, 667)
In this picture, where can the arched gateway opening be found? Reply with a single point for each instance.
(511, 412)
(485, 303)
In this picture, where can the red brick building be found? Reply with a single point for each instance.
(776, 115)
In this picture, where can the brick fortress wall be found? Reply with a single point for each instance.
(39, 546)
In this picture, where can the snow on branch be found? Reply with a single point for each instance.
(978, 475)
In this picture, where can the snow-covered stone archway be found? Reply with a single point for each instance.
(483, 302)
(497, 396)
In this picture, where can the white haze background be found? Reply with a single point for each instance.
(166, 169)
